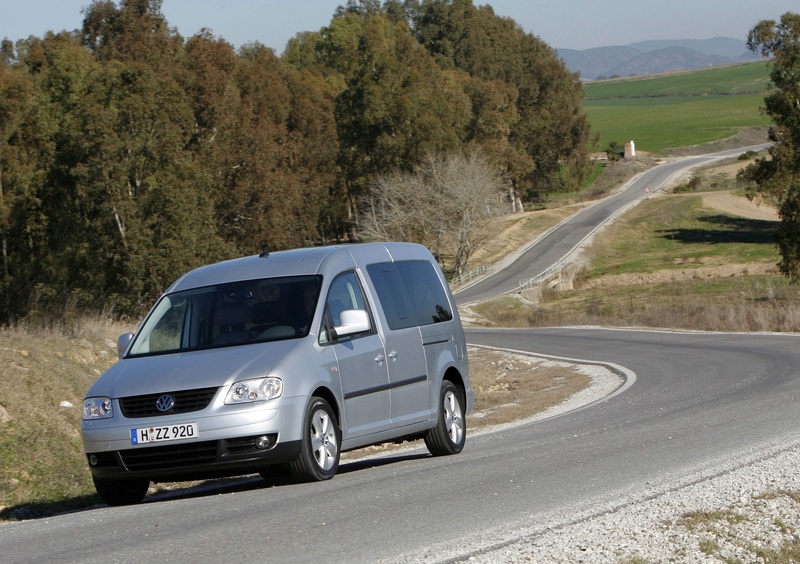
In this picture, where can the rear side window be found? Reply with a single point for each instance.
(410, 293)
(394, 301)
(425, 291)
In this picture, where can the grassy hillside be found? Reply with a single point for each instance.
(678, 110)
(731, 80)
(44, 374)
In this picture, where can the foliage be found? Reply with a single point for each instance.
(548, 128)
(614, 152)
(778, 176)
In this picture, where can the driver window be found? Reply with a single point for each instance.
(344, 293)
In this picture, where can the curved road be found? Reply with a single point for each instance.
(700, 404)
(561, 241)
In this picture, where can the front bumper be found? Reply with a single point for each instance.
(229, 443)
(192, 461)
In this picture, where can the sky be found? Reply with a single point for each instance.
(562, 24)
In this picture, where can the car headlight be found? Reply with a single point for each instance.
(97, 408)
(257, 389)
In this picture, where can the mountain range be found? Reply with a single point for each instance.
(653, 57)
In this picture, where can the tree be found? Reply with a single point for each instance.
(614, 151)
(446, 203)
(272, 156)
(779, 175)
(393, 103)
(54, 71)
(551, 130)
(134, 212)
(134, 31)
(15, 101)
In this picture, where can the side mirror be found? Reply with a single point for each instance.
(352, 321)
(123, 342)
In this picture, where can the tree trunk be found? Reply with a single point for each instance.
(516, 201)
(4, 244)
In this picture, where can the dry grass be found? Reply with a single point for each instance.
(751, 303)
(511, 387)
(44, 374)
(762, 529)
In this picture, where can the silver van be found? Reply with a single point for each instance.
(284, 359)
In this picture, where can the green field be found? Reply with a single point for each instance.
(678, 110)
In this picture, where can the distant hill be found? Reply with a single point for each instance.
(653, 57)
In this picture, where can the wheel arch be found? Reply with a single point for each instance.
(453, 375)
(326, 394)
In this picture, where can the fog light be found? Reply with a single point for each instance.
(93, 459)
(262, 442)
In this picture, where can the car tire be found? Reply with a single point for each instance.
(319, 450)
(450, 432)
(121, 492)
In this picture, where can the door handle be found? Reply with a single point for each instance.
(393, 355)
(379, 359)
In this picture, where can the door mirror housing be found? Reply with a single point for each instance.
(352, 321)
(123, 342)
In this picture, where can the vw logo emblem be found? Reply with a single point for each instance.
(165, 403)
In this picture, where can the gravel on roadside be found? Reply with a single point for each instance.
(746, 513)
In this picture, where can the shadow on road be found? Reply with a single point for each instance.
(278, 476)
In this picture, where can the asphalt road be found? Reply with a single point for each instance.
(700, 403)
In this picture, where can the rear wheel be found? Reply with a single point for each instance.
(450, 433)
(319, 451)
(121, 492)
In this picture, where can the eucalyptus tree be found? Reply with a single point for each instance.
(134, 30)
(550, 130)
(275, 155)
(53, 72)
(15, 103)
(778, 176)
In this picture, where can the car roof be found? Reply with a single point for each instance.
(326, 261)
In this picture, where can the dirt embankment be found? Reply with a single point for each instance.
(730, 203)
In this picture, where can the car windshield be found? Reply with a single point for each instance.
(229, 314)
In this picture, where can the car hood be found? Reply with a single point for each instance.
(190, 370)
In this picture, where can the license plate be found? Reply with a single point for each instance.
(146, 435)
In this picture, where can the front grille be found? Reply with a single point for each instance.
(169, 456)
(185, 401)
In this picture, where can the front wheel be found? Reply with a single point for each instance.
(450, 433)
(319, 451)
(121, 492)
